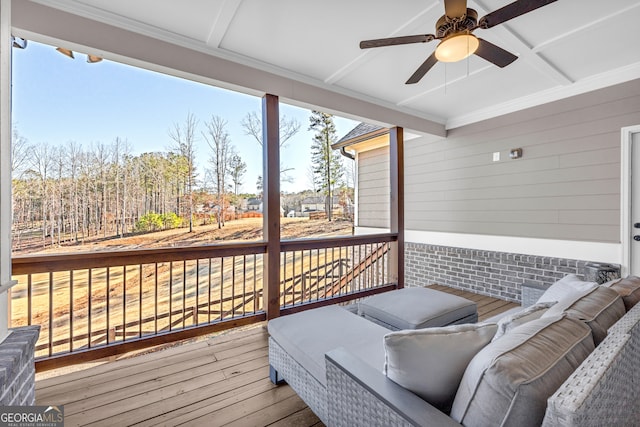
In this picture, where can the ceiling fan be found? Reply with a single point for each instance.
(455, 32)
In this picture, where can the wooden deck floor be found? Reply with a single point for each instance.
(218, 381)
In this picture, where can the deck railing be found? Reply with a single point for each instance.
(315, 271)
(93, 305)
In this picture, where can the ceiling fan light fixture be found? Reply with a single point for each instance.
(92, 59)
(457, 47)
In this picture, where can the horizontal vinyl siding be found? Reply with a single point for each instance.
(566, 186)
(373, 188)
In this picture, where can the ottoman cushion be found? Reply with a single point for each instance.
(308, 335)
(417, 308)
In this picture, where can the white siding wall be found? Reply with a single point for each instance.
(566, 186)
(373, 188)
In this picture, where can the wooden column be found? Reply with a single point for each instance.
(396, 158)
(271, 204)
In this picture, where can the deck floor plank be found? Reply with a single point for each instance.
(221, 380)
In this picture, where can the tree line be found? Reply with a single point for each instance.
(72, 192)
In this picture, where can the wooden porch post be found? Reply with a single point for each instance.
(271, 204)
(396, 158)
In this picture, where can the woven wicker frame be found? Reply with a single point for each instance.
(305, 385)
(362, 407)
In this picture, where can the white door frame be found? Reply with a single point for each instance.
(625, 197)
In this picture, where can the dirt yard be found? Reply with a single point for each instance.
(238, 230)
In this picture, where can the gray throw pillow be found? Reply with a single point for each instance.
(568, 285)
(430, 362)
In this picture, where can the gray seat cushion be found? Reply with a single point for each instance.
(308, 335)
(417, 308)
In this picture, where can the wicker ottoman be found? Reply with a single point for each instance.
(416, 308)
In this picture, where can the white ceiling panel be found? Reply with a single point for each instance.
(462, 97)
(602, 48)
(314, 39)
(189, 18)
(560, 47)
(563, 18)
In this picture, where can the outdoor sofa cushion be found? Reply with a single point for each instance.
(308, 335)
(599, 308)
(416, 308)
(430, 362)
(509, 381)
(568, 285)
(628, 288)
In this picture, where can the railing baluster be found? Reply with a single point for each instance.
(155, 312)
(195, 319)
(233, 286)
(50, 313)
(184, 292)
(221, 288)
(90, 306)
(140, 315)
(71, 310)
(29, 299)
(384, 263)
(255, 282)
(170, 295)
(244, 284)
(108, 293)
(124, 303)
(209, 295)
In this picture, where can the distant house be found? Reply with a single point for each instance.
(254, 205)
(317, 203)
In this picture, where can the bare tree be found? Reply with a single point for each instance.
(121, 151)
(40, 171)
(219, 142)
(73, 159)
(184, 138)
(252, 125)
(20, 151)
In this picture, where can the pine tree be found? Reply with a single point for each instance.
(237, 169)
(326, 163)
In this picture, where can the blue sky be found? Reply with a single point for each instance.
(57, 99)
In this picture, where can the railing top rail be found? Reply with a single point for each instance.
(29, 264)
(334, 242)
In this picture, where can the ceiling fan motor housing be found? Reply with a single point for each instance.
(447, 26)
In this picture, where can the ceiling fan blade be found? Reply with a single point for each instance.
(392, 41)
(455, 8)
(423, 69)
(511, 11)
(494, 54)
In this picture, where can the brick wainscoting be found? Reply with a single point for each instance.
(497, 274)
(17, 367)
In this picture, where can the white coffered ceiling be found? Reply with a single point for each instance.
(565, 48)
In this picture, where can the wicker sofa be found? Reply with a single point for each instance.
(603, 390)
